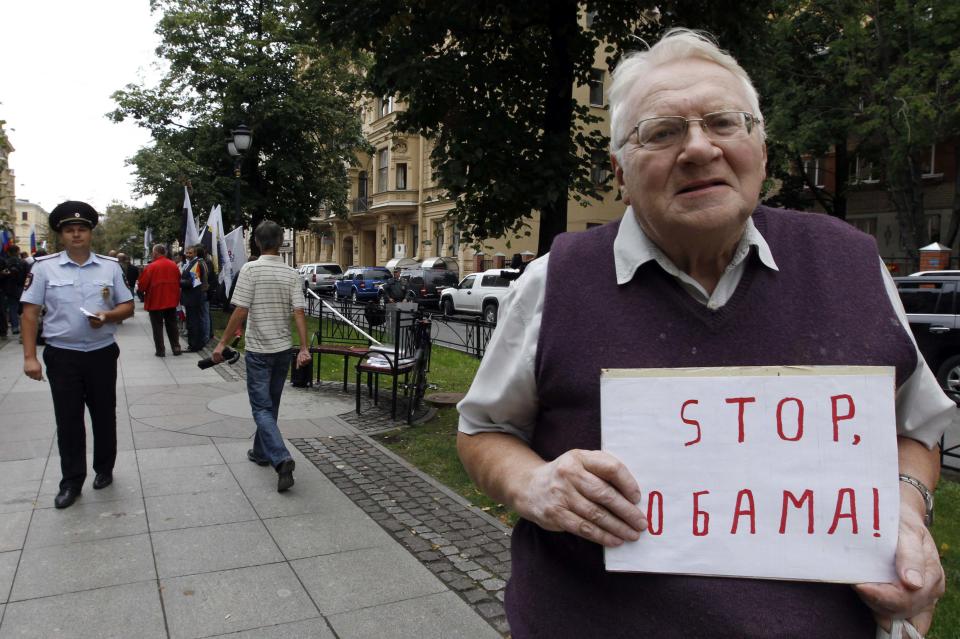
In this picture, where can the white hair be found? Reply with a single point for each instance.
(676, 44)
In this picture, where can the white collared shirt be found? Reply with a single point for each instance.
(503, 396)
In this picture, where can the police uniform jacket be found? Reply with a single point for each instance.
(67, 289)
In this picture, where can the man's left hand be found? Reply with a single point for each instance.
(920, 580)
(303, 357)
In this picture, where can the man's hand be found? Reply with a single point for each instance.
(303, 357)
(98, 320)
(920, 580)
(217, 354)
(32, 368)
(587, 493)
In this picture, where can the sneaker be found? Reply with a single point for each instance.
(285, 475)
(259, 461)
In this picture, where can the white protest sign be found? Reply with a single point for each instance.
(772, 472)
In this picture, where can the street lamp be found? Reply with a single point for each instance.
(237, 146)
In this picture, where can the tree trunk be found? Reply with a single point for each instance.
(907, 193)
(841, 176)
(558, 121)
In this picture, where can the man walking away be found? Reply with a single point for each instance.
(85, 297)
(160, 285)
(266, 292)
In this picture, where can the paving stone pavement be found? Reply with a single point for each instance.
(192, 540)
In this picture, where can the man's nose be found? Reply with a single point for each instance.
(696, 146)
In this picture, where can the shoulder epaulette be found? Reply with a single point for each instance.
(47, 257)
(107, 257)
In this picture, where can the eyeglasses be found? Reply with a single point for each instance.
(669, 130)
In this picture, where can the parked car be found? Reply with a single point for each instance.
(320, 278)
(424, 285)
(360, 283)
(931, 303)
(477, 293)
(935, 274)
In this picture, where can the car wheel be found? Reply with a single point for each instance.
(949, 374)
(353, 296)
(448, 309)
(490, 313)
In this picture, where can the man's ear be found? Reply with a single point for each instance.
(618, 174)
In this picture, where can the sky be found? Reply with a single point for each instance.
(60, 60)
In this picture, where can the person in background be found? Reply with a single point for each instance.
(13, 272)
(266, 293)
(193, 280)
(85, 297)
(698, 274)
(160, 285)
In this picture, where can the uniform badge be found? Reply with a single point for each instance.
(105, 293)
(27, 282)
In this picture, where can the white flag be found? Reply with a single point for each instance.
(236, 257)
(218, 245)
(147, 241)
(191, 236)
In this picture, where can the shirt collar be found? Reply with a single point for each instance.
(270, 258)
(632, 248)
(65, 259)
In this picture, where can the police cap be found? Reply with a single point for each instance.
(72, 212)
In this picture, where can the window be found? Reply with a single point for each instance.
(385, 105)
(599, 172)
(383, 166)
(811, 167)
(927, 298)
(866, 224)
(455, 239)
(494, 281)
(596, 87)
(401, 177)
(438, 234)
(928, 166)
(23, 216)
(414, 238)
(467, 282)
(362, 185)
(393, 239)
(861, 172)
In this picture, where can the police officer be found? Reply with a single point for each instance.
(86, 296)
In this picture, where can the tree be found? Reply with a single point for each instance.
(879, 79)
(237, 62)
(121, 230)
(492, 84)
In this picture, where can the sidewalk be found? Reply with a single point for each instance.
(192, 540)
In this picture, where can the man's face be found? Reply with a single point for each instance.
(190, 254)
(697, 186)
(76, 236)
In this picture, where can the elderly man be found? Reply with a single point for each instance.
(266, 293)
(695, 274)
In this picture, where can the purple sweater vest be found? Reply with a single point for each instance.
(826, 305)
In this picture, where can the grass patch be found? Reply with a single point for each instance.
(946, 531)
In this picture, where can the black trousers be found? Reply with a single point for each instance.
(195, 337)
(165, 317)
(77, 379)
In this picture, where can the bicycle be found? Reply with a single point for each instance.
(416, 387)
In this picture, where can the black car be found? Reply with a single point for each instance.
(931, 304)
(423, 285)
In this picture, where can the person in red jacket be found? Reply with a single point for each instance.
(160, 283)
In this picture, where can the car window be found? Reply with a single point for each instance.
(329, 269)
(375, 274)
(494, 281)
(467, 282)
(927, 298)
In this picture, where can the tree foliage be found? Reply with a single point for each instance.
(879, 79)
(238, 62)
(120, 230)
(492, 84)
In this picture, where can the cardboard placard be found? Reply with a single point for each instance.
(770, 472)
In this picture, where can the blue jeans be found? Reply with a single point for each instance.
(266, 375)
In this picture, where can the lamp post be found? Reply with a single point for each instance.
(237, 146)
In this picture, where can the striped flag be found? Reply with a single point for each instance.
(33, 239)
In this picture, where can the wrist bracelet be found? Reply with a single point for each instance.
(924, 493)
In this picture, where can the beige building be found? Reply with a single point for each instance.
(7, 179)
(398, 210)
(27, 215)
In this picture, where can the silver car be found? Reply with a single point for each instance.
(320, 277)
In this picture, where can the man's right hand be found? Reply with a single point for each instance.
(588, 493)
(217, 354)
(32, 368)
